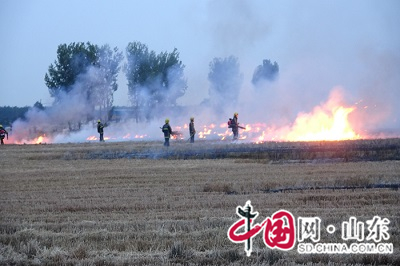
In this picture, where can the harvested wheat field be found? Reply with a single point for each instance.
(138, 203)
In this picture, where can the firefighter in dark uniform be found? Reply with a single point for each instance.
(235, 126)
(3, 133)
(192, 130)
(100, 130)
(166, 129)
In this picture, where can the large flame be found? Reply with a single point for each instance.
(323, 125)
(328, 121)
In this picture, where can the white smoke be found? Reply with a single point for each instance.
(69, 112)
(379, 93)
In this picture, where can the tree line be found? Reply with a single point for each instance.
(155, 81)
(9, 114)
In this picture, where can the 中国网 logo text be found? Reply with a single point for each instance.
(280, 231)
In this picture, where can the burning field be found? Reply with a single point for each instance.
(138, 203)
(331, 120)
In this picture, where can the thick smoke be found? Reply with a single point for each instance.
(69, 112)
(235, 26)
(73, 117)
(320, 63)
(378, 97)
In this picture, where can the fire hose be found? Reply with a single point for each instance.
(190, 136)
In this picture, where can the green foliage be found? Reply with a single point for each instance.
(72, 61)
(225, 81)
(138, 71)
(90, 70)
(153, 80)
(266, 71)
(9, 114)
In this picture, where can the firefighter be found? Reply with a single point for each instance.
(192, 130)
(3, 133)
(100, 130)
(235, 126)
(167, 132)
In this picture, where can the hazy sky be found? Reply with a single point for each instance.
(318, 44)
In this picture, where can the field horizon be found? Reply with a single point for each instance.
(139, 203)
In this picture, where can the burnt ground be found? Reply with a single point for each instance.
(321, 151)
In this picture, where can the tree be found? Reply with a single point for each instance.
(72, 61)
(225, 82)
(266, 71)
(103, 83)
(154, 81)
(39, 105)
(84, 74)
(172, 81)
(138, 72)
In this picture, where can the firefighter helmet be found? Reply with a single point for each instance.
(192, 118)
(98, 121)
(1, 125)
(166, 121)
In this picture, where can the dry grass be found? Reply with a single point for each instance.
(62, 204)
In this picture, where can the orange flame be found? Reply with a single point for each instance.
(38, 140)
(322, 125)
(92, 138)
(328, 121)
(42, 139)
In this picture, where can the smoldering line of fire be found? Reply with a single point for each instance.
(263, 121)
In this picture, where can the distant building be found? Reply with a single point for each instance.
(122, 113)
